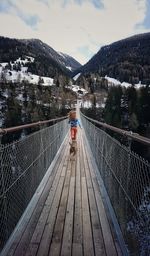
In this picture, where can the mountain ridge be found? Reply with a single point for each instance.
(48, 62)
(126, 60)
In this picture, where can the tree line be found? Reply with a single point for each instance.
(128, 109)
(27, 103)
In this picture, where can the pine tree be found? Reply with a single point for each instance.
(144, 106)
(133, 123)
(13, 117)
(112, 112)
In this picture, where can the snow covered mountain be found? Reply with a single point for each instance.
(47, 62)
(69, 62)
(61, 58)
(126, 60)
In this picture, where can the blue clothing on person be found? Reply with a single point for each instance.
(74, 123)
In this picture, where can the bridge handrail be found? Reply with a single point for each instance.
(129, 134)
(17, 128)
(126, 177)
(23, 164)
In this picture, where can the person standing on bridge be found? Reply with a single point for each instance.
(74, 123)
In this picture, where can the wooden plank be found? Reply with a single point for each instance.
(73, 169)
(59, 225)
(77, 249)
(96, 227)
(67, 236)
(37, 236)
(108, 239)
(87, 229)
(107, 235)
(77, 231)
(47, 234)
(23, 238)
(81, 162)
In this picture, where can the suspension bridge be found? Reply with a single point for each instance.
(96, 203)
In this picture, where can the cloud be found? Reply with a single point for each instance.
(76, 27)
(64, 3)
(146, 22)
(44, 1)
(96, 3)
(32, 20)
(5, 6)
(14, 9)
(9, 29)
(85, 51)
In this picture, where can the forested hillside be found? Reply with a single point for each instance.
(126, 60)
(47, 62)
(25, 103)
(33, 81)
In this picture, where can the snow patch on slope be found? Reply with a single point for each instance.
(23, 75)
(113, 81)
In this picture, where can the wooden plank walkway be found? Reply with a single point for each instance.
(69, 218)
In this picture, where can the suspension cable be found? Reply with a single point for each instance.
(129, 134)
(17, 128)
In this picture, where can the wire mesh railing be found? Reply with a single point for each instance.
(126, 177)
(23, 165)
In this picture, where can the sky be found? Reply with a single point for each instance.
(75, 27)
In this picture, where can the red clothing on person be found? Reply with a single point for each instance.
(73, 133)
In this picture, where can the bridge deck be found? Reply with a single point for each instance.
(69, 218)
